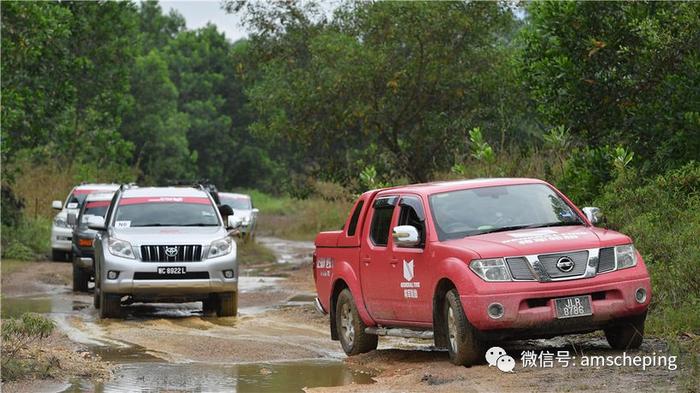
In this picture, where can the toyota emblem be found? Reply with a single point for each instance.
(171, 251)
(565, 264)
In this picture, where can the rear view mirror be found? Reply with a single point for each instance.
(256, 211)
(593, 214)
(406, 236)
(96, 223)
(57, 205)
(71, 219)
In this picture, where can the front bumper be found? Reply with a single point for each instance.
(61, 238)
(131, 279)
(532, 313)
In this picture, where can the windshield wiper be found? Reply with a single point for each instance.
(503, 229)
(527, 226)
(155, 224)
(198, 225)
(554, 224)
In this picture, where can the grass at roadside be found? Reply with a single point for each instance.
(299, 219)
(253, 253)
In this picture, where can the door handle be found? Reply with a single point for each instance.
(394, 262)
(366, 260)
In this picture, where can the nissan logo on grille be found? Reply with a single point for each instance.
(172, 252)
(565, 264)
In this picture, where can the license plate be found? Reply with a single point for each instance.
(571, 307)
(172, 270)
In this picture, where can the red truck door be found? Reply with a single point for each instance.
(411, 275)
(375, 258)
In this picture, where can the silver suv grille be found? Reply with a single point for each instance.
(176, 253)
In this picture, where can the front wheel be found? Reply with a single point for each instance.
(80, 279)
(227, 304)
(110, 305)
(59, 255)
(463, 346)
(350, 327)
(628, 335)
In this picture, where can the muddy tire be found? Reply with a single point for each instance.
(110, 305)
(210, 305)
(59, 255)
(80, 279)
(227, 304)
(463, 346)
(350, 328)
(628, 335)
(96, 297)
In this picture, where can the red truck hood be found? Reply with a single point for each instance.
(538, 241)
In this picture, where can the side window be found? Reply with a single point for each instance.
(412, 214)
(355, 218)
(381, 220)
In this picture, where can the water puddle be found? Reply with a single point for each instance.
(287, 251)
(16, 306)
(257, 283)
(199, 377)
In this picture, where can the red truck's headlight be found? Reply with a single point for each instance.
(626, 256)
(491, 269)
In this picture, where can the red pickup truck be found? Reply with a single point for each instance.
(475, 261)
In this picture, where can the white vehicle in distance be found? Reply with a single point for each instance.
(165, 245)
(243, 212)
(61, 230)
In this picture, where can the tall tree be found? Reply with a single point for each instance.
(618, 72)
(395, 85)
(155, 126)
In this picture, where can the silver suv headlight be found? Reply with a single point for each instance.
(60, 222)
(220, 247)
(490, 269)
(120, 248)
(626, 256)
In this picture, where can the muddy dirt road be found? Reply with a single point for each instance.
(279, 343)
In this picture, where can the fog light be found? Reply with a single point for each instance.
(495, 310)
(641, 295)
(112, 274)
(228, 273)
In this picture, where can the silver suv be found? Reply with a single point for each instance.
(165, 245)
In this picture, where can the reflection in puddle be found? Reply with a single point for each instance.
(273, 377)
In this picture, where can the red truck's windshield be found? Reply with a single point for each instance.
(490, 209)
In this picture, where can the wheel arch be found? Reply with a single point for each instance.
(443, 286)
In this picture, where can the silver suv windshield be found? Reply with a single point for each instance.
(478, 211)
(165, 212)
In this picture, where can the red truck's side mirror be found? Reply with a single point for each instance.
(406, 236)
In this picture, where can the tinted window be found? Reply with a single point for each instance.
(168, 214)
(412, 214)
(355, 217)
(489, 209)
(381, 221)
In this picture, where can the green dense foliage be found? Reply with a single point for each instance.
(600, 98)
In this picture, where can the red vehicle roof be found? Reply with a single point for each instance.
(444, 186)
